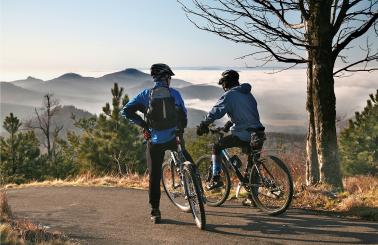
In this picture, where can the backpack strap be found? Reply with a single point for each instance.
(149, 105)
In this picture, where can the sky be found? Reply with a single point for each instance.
(45, 38)
(96, 35)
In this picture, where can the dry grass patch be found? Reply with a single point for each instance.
(5, 211)
(359, 198)
(134, 180)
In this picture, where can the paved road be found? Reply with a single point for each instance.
(96, 215)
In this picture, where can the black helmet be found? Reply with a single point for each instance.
(158, 70)
(229, 79)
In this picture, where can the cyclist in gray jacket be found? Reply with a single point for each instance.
(241, 107)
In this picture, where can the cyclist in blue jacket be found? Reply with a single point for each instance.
(241, 106)
(165, 115)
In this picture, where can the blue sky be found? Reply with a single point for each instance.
(105, 35)
(57, 36)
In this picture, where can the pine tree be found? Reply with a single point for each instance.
(109, 144)
(11, 125)
(19, 154)
(359, 142)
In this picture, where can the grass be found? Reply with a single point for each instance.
(359, 198)
(20, 231)
(135, 181)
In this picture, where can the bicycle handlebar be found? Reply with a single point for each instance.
(217, 130)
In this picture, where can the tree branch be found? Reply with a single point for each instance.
(259, 32)
(367, 59)
(353, 35)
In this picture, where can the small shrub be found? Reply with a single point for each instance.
(5, 210)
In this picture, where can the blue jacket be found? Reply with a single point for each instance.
(140, 103)
(241, 107)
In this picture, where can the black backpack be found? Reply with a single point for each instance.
(161, 113)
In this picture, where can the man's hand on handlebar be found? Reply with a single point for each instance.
(202, 129)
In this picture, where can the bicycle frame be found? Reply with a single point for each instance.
(226, 156)
(250, 163)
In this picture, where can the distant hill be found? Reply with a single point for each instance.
(91, 93)
(12, 94)
(75, 85)
(29, 81)
(63, 118)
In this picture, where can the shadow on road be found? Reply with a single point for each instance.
(294, 224)
(175, 222)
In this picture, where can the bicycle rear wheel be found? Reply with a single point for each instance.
(174, 187)
(271, 185)
(194, 194)
(217, 196)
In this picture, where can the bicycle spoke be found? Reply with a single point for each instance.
(194, 196)
(173, 187)
(271, 185)
(217, 196)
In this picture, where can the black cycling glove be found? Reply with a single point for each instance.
(202, 129)
(227, 126)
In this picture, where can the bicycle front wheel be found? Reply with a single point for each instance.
(217, 196)
(173, 186)
(271, 185)
(194, 195)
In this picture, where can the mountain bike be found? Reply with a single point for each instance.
(181, 182)
(267, 179)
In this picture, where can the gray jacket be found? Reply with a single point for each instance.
(241, 107)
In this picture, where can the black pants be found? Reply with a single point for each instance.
(155, 157)
(228, 142)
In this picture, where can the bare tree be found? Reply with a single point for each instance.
(317, 33)
(44, 121)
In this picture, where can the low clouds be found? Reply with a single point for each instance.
(281, 96)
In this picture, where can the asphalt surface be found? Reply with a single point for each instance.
(106, 215)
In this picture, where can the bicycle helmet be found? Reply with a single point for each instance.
(229, 79)
(160, 70)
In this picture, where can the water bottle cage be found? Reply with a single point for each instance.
(236, 161)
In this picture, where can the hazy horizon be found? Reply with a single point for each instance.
(281, 96)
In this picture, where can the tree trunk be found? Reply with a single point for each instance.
(312, 164)
(48, 128)
(13, 153)
(323, 95)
